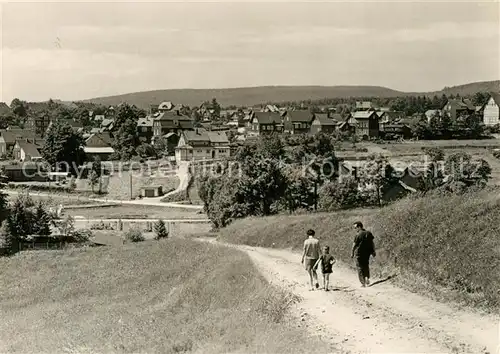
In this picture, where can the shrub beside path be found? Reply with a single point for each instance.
(377, 319)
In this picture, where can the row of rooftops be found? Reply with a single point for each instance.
(169, 115)
(324, 118)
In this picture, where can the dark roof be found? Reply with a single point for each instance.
(218, 137)
(174, 114)
(103, 136)
(461, 104)
(300, 116)
(202, 135)
(197, 135)
(10, 136)
(268, 117)
(337, 116)
(4, 108)
(496, 97)
(394, 114)
(29, 148)
(169, 124)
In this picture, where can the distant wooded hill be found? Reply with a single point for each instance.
(249, 96)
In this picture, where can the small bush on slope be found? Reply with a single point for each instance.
(152, 297)
(133, 235)
(448, 241)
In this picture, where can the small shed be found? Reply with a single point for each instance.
(151, 191)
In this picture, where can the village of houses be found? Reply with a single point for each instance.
(212, 138)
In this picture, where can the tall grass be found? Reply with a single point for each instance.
(156, 297)
(449, 246)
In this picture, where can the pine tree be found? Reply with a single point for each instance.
(160, 230)
(8, 242)
(21, 218)
(41, 225)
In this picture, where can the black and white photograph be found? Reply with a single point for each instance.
(250, 177)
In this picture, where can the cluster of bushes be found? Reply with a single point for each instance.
(271, 180)
(38, 187)
(135, 234)
(179, 196)
(45, 188)
(101, 226)
(443, 127)
(27, 221)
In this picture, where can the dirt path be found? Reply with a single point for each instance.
(378, 319)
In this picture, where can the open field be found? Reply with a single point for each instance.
(401, 155)
(443, 246)
(414, 147)
(135, 212)
(141, 298)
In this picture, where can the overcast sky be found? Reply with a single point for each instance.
(81, 50)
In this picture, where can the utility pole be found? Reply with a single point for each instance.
(130, 178)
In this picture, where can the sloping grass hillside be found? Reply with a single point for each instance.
(448, 246)
(156, 297)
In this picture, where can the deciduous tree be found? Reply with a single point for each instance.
(95, 174)
(63, 146)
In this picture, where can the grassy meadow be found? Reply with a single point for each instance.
(411, 152)
(169, 296)
(445, 246)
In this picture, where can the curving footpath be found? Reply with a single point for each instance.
(381, 318)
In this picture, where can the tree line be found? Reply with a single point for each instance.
(273, 177)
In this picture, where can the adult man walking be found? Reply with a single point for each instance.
(310, 257)
(363, 247)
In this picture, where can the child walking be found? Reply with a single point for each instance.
(327, 261)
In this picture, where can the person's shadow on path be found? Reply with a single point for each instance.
(382, 280)
(349, 289)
